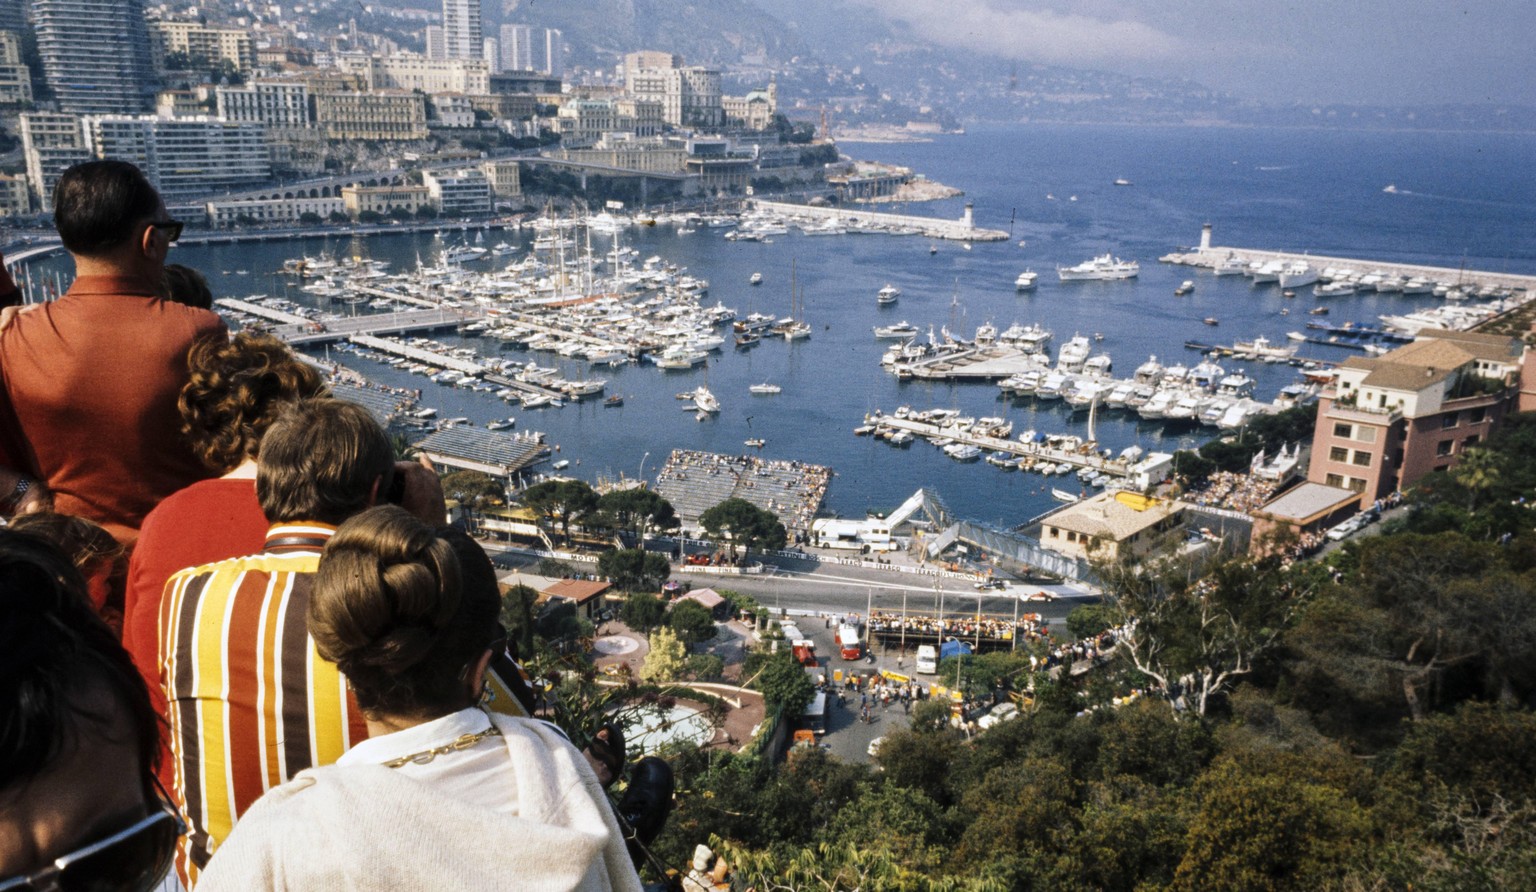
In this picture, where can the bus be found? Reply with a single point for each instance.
(814, 718)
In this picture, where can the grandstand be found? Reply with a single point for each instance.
(696, 481)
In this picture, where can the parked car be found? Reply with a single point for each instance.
(1002, 712)
(1346, 529)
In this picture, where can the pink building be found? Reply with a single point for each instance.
(1388, 421)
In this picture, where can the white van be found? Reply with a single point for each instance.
(927, 659)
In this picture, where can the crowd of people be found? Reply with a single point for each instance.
(1030, 626)
(252, 534)
(1234, 492)
(792, 490)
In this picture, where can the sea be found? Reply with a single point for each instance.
(1461, 200)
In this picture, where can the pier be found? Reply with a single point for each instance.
(1032, 453)
(319, 331)
(1207, 256)
(962, 230)
(977, 364)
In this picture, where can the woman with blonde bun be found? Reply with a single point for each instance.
(443, 794)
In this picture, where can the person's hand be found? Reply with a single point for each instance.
(606, 754)
(422, 491)
(9, 314)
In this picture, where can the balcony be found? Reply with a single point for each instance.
(1345, 409)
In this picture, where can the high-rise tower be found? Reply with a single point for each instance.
(95, 54)
(462, 37)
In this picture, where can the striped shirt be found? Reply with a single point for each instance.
(251, 702)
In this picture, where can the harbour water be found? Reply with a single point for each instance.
(1461, 200)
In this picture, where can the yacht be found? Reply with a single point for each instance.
(1025, 281)
(1149, 372)
(1158, 406)
(1298, 273)
(765, 388)
(1185, 287)
(1334, 289)
(1100, 268)
(1231, 266)
(887, 295)
(705, 401)
(756, 279)
(962, 452)
(463, 253)
(1267, 273)
(902, 329)
(1073, 354)
(1120, 394)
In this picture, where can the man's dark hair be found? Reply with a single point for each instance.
(57, 660)
(319, 460)
(99, 205)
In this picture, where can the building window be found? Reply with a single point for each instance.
(1476, 416)
(1338, 453)
(1334, 480)
(1356, 484)
(1470, 441)
(1443, 448)
(1448, 420)
(1340, 429)
(1363, 459)
(1365, 434)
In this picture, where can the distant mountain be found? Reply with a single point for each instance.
(707, 32)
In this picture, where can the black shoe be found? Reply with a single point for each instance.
(645, 806)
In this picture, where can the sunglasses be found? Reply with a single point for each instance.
(134, 859)
(172, 230)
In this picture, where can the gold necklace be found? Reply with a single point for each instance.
(464, 742)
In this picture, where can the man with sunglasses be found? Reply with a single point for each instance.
(88, 402)
(79, 808)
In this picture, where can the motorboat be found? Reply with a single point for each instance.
(963, 452)
(887, 295)
(1230, 266)
(902, 329)
(501, 424)
(1334, 289)
(765, 388)
(1101, 268)
(1298, 273)
(755, 443)
(613, 402)
(1025, 281)
(1186, 287)
(755, 279)
(1062, 495)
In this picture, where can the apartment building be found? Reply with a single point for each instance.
(184, 157)
(458, 192)
(205, 42)
(1389, 421)
(15, 77)
(505, 178)
(96, 55)
(14, 198)
(273, 210)
(462, 35)
(408, 71)
(270, 102)
(390, 115)
(51, 144)
(384, 199)
(1113, 525)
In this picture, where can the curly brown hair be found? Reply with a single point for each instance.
(236, 389)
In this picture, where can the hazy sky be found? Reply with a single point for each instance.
(1397, 52)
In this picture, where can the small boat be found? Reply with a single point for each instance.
(963, 452)
(1185, 288)
(1287, 293)
(561, 465)
(614, 401)
(1211, 320)
(755, 442)
(887, 295)
(1062, 495)
(900, 330)
(1025, 281)
(933, 249)
(501, 424)
(863, 430)
(1296, 336)
(901, 438)
(765, 388)
(1318, 311)
(705, 401)
(1122, 181)
(756, 279)
(749, 339)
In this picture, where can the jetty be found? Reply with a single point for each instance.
(318, 331)
(1207, 256)
(962, 230)
(976, 364)
(1031, 453)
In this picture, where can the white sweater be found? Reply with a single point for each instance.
(367, 827)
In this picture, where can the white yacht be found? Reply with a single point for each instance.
(887, 295)
(1073, 354)
(902, 329)
(1100, 268)
(1149, 372)
(765, 388)
(1334, 289)
(705, 401)
(1025, 281)
(1230, 266)
(755, 279)
(1297, 274)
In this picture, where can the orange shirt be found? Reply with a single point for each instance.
(91, 380)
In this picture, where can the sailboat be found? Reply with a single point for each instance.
(792, 327)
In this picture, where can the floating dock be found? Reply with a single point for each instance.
(1032, 453)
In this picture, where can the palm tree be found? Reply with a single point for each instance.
(1478, 470)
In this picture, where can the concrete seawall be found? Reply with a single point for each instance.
(1208, 257)
(962, 230)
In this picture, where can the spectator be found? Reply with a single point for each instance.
(185, 285)
(442, 794)
(88, 405)
(77, 738)
(234, 392)
(92, 550)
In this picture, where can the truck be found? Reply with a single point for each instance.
(927, 659)
(814, 719)
(849, 642)
(804, 651)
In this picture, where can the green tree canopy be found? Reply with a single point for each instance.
(632, 568)
(561, 502)
(784, 683)
(637, 510)
(741, 523)
(643, 612)
(666, 661)
(474, 489)
(691, 621)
